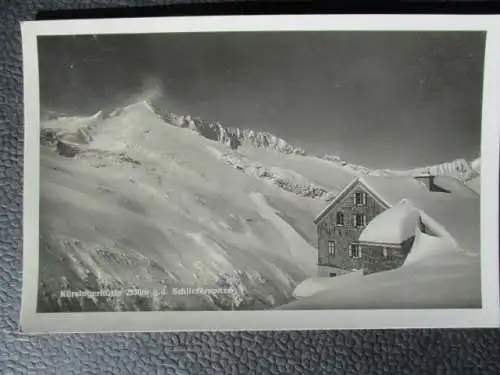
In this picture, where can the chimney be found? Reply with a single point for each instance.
(427, 179)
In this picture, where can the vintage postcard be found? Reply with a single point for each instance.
(261, 172)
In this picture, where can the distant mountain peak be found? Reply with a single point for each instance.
(460, 169)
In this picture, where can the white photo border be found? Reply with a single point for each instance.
(487, 316)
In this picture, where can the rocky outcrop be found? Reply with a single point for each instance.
(65, 143)
(231, 137)
(81, 137)
(48, 137)
(302, 188)
(67, 149)
(333, 158)
(265, 140)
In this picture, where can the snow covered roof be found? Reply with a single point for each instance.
(457, 211)
(392, 226)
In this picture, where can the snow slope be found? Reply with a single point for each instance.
(144, 204)
(475, 184)
(298, 247)
(315, 285)
(286, 179)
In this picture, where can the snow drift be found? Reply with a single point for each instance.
(315, 285)
(435, 275)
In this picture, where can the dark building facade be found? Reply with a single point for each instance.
(339, 227)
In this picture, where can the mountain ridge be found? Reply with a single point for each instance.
(234, 138)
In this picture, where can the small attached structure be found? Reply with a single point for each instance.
(388, 238)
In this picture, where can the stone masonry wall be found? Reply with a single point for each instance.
(343, 236)
(373, 259)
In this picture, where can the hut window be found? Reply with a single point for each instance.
(340, 218)
(359, 220)
(360, 198)
(355, 251)
(331, 248)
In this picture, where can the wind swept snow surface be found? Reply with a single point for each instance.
(148, 206)
(300, 250)
(316, 285)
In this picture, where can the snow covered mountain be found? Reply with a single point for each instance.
(129, 202)
(138, 198)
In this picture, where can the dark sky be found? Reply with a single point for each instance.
(381, 99)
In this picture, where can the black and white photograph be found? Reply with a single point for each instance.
(263, 170)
